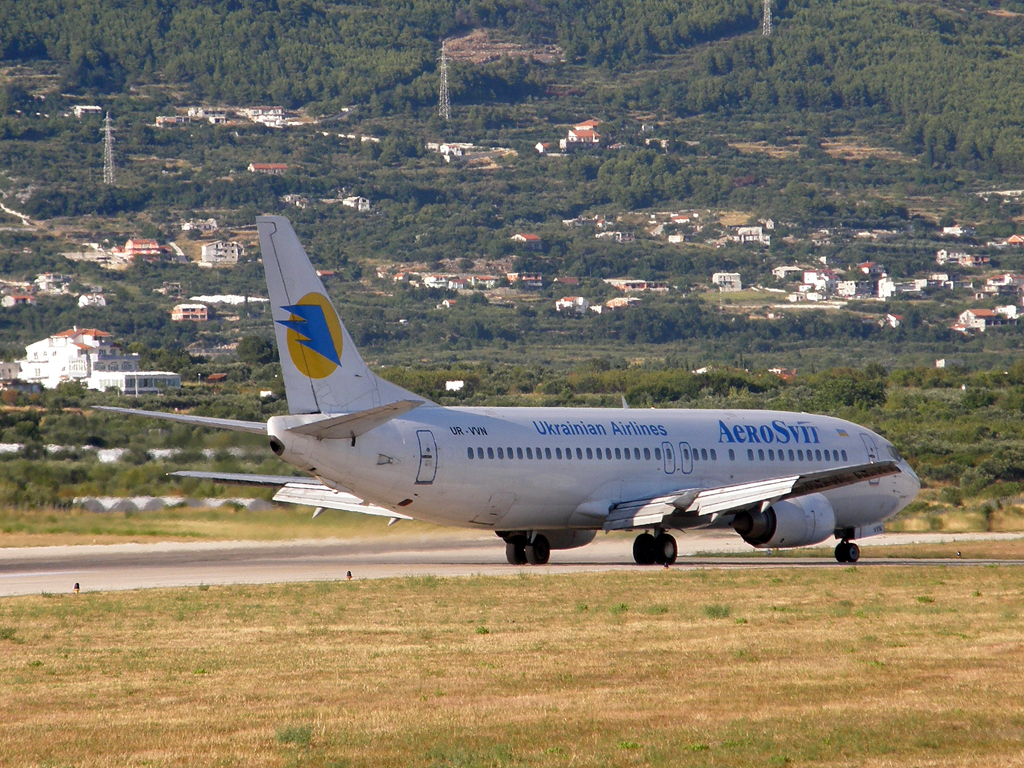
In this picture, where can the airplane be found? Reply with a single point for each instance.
(548, 479)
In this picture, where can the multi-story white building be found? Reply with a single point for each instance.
(727, 281)
(90, 357)
(221, 253)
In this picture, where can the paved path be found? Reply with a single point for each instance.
(32, 570)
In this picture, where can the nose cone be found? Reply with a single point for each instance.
(908, 485)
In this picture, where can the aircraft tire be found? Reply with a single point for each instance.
(515, 552)
(665, 549)
(852, 553)
(645, 549)
(539, 552)
(843, 552)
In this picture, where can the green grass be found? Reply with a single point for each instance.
(843, 666)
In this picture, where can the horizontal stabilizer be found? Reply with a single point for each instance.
(322, 496)
(256, 427)
(351, 425)
(682, 508)
(237, 478)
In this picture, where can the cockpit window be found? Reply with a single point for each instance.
(894, 453)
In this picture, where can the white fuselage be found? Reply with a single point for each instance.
(533, 468)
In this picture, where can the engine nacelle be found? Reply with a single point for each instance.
(791, 523)
(568, 539)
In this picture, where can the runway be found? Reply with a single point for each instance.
(33, 570)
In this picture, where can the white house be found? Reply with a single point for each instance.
(90, 357)
(727, 282)
(361, 204)
(576, 304)
(221, 253)
(751, 235)
(92, 300)
(980, 319)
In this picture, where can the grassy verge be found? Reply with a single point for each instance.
(845, 666)
(27, 528)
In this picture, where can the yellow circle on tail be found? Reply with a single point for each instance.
(310, 363)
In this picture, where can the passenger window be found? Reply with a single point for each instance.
(647, 454)
(579, 453)
(800, 455)
(547, 453)
(618, 453)
(817, 455)
(668, 454)
(510, 454)
(608, 453)
(790, 454)
(714, 456)
(657, 454)
(540, 453)
(490, 453)
(844, 456)
(732, 455)
(760, 454)
(636, 454)
(827, 456)
(501, 454)
(750, 454)
(771, 455)
(703, 454)
(686, 454)
(469, 452)
(479, 453)
(558, 453)
(529, 453)
(598, 454)
(519, 453)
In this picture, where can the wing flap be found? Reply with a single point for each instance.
(689, 506)
(322, 496)
(352, 425)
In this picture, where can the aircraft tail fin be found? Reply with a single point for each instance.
(323, 371)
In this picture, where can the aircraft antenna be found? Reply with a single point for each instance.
(444, 106)
(108, 152)
(766, 18)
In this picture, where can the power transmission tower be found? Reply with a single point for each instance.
(108, 152)
(444, 105)
(766, 18)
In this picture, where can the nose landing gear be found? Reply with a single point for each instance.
(847, 552)
(660, 549)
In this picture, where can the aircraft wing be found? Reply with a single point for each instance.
(298, 490)
(693, 507)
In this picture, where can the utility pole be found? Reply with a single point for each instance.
(108, 152)
(444, 106)
(766, 18)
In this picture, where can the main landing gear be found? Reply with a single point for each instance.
(519, 550)
(660, 549)
(847, 552)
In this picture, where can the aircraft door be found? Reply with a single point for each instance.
(669, 457)
(428, 457)
(686, 458)
(872, 449)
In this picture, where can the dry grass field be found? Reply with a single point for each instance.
(846, 666)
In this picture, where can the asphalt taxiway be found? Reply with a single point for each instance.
(33, 570)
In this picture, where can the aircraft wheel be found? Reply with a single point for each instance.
(515, 551)
(852, 553)
(843, 552)
(645, 549)
(539, 551)
(665, 549)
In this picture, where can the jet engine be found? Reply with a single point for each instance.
(790, 523)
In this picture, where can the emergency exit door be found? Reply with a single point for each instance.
(428, 457)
